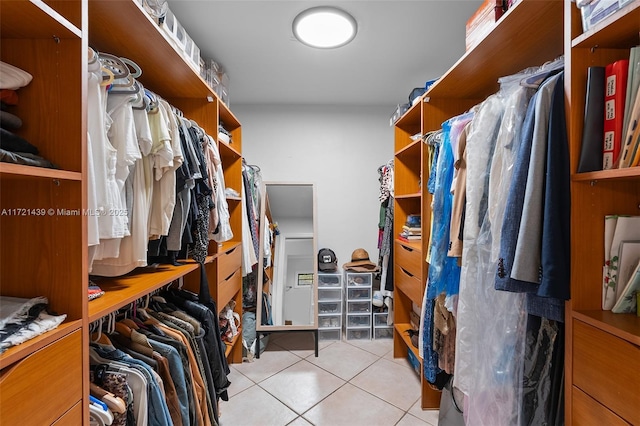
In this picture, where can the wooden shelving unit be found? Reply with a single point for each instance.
(532, 30)
(613, 337)
(46, 254)
(42, 253)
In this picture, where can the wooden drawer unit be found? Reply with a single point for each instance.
(54, 374)
(587, 411)
(605, 367)
(228, 262)
(73, 417)
(228, 288)
(410, 259)
(408, 283)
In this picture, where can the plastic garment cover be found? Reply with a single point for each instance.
(491, 324)
(543, 382)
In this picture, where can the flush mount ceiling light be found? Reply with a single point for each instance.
(324, 27)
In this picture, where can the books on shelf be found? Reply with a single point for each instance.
(627, 302)
(628, 258)
(614, 100)
(631, 137)
(621, 235)
(593, 131)
(612, 115)
(630, 142)
(408, 238)
(412, 229)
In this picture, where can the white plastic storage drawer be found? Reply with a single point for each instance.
(355, 279)
(329, 307)
(359, 320)
(383, 333)
(329, 280)
(329, 294)
(359, 293)
(358, 334)
(380, 319)
(330, 321)
(331, 334)
(358, 307)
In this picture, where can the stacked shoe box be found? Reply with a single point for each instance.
(381, 328)
(358, 305)
(329, 306)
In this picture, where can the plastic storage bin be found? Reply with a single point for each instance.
(329, 280)
(380, 319)
(359, 293)
(383, 333)
(330, 321)
(358, 334)
(354, 321)
(358, 307)
(332, 334)
(359, 279)
(329, 307)
(329, 294)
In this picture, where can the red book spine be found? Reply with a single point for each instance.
(614, 99)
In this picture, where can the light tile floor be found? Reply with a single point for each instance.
(349, 383)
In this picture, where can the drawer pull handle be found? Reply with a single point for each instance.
(407, 248)
(232, 274)
(228, 252)
(406, 272)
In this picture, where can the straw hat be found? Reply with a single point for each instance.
(360, 262)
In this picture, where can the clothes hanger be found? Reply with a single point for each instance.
(98, 416)
(152, 99)
(123, 329)
(115, 403)
(548, 69)
(109, 77)
(137, 71)
(130, 323)
(92, 56)
(114, 64)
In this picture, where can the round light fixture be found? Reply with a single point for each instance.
(324, 27)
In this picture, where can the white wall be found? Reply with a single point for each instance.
(339, 149)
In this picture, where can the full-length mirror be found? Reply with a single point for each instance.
(288, 251)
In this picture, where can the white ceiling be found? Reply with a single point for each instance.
(400, 45)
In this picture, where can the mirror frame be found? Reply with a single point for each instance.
(266, 211)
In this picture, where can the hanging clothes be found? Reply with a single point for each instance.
(386, 236)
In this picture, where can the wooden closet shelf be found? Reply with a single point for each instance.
(626, 173)
(527, 26)
(227, 117)
(616, 31)
(227, 150)
(44, 22)
(113, 26)
(402, 328)
(412, 149)
(9, 170)
(123, 290)
(413, 195)
(411, 118)
(624, 326)
(18, 352)
(234, 341)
